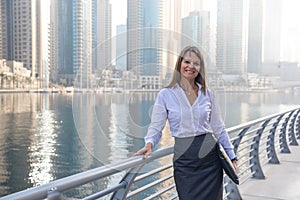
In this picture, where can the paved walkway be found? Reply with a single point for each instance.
(282, 180)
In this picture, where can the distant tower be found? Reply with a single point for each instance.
(102, 34)
(171, 19)
(151, 38)
(82, 42)
(25, 35)
(196, 30)
(121, 44)
(3, 32)
(43, 41)
(61, 41)
(255, 34)
(232, 36)
(144, 37)
(134, 39)
(19, 21)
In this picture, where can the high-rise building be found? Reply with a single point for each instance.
(102, 58)
(151, 38)
(82, 42)
(6, 29)
(232, 36)
(144, 37)
(43, 41)
(2, 15)
(171, 26)
(121, 47)
(134, 22)
(20, 21)
(255, 34)
(196, 30)
(61, 40)
(25, 35)
(54, 33)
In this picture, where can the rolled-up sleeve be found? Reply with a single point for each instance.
(158, 120)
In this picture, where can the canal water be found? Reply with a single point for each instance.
(44, 137)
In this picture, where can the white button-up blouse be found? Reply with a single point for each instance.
(187, 120)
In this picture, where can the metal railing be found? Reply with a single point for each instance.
(256, 143)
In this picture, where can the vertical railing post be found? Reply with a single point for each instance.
(291, 133)
(128, 180)
(282, 136)
(53, 194)
(271, 151)
(254, 154)
(297, 127)
(237, 141)
(232, 189)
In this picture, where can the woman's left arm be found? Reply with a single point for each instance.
(218, 127)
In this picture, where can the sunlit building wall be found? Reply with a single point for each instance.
(232, 36)
(102, 34)
(43, 41)
(82, 42)
(54, 33)
(255, 36)
(171, 23)
(25, 36)
(21, 26)
(134, 22)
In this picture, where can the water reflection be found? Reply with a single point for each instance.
(17, 122)
(38, 142)
(110, 125)
(42, 145)
(118, 130)
(242, 107)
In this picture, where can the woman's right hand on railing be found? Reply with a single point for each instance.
(146, 150)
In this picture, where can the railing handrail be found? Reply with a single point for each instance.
(52, 190)
(82, 178)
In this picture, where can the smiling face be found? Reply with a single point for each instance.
(190, 66)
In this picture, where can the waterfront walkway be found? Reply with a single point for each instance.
(282, 180)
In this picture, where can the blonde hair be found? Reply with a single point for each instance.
(200, 78)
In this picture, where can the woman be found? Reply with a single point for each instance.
(193, 114)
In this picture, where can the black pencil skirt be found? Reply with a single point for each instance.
(197, 170)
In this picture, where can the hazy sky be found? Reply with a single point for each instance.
(290, 31)
(119, 11)
(290, 24)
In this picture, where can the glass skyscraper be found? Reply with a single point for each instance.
(144, 33)
(232, 36)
